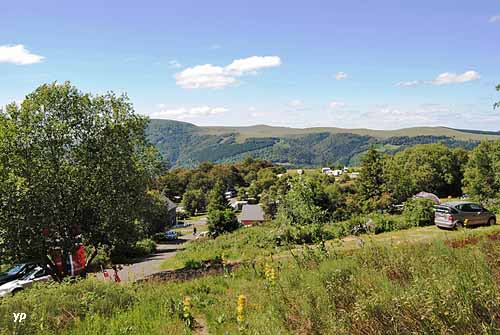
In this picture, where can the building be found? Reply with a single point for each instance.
(172, 213)
(251, 214)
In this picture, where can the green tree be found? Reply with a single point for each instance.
(482, 172)
(300, 219)
(222, 221)
(194, 201)
(425, 167)
(73, 167)
(216, 199)
(371, 188)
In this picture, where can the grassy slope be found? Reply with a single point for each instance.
(385, 288)
(269, 131)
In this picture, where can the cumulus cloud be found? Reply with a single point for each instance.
(445, 78)
(336, 105)
(210, 76)
(187, 113)
(453, 78)
(18, 54)
(495, 18)
(296, 104)
(341, 76)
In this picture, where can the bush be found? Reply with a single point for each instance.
(419, 212)
(141, 248)
(220, 222)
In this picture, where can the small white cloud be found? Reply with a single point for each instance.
(408, 83)
(174, 64)
(210, 76)
(336, 105)
(215, 46)
(495, 18)
(187, 113)
(445, 78)
(18, 54)
(341, 76)
(453, 78)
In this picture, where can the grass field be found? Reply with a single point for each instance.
(385, 287)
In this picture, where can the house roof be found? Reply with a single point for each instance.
(170, 204)
(251, 213)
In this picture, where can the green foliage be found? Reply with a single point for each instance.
(194, 201)
(184, 144)
(71, 164)
(141, 248)
(419, 212)
(393, 289)
(430, 168)
(222, 221)
(371, 187)
(482, 173)
(216, 198)
(156, 213)
(299, 218)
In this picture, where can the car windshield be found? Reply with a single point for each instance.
(15, 269)
(30, 273)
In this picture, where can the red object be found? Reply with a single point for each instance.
(450, 218)
(106, 274)
(117, 278)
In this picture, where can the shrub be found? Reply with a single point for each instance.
(220, 222)
(419, 212)
(141, 248)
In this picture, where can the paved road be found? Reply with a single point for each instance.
(151, 264)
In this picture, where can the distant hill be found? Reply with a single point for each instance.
(185, 144)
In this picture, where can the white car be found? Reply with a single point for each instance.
(38, 274)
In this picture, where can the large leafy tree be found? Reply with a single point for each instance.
(371, 187)
(425, 167)
(482, 173)
(73, 167)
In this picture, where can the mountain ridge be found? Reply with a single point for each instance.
(186, 144)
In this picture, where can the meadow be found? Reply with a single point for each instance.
(447, 283)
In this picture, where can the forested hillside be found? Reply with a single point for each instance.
(184, 144)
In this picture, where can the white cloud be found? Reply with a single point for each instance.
(174, 64)
(453, 78)
(445, 78)
(336, 105)
(495, 18)
(18, 54)
(408, 83)
(210, 76)
(341, 76)
(187, 113)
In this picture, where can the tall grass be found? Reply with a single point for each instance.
(426, 288)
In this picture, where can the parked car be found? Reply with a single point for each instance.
(171, 235)
(16, 272)
(38, 274)
(460, 213)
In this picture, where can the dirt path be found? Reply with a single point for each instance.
(149, 265)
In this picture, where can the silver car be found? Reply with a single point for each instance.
(462, 213)
(36, 275)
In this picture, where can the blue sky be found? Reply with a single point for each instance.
(384, 64)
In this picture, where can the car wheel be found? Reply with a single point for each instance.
(459, 224)
(492, 221)
(17, 290)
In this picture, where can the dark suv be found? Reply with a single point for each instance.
(460, 213)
